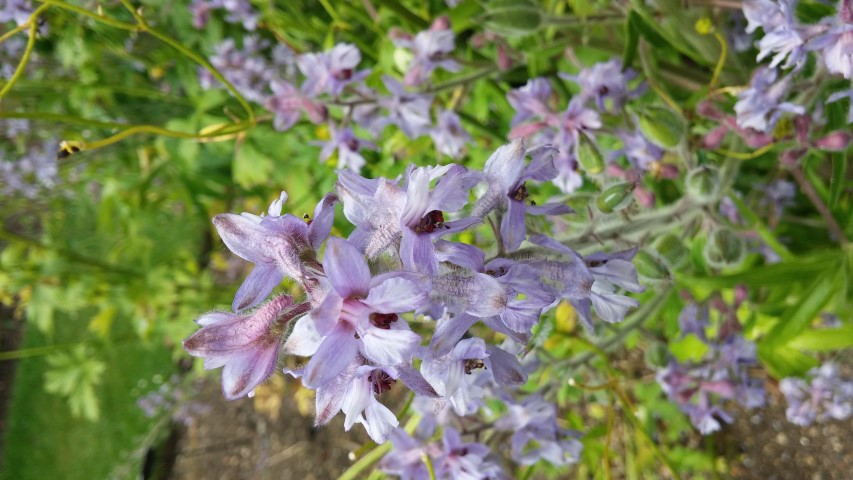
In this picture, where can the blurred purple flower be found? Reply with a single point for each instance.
(347, 145)
(530, 101)
(836, 45)
(605, 80)
(535, 434)
(18, 11)
(247, 345)
(449, 136)
(465, 461)
(287, 103)
(329, 72)
(822, 396)
(760, 106)
(410, 112)
(431, 49)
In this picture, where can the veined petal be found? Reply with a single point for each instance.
(417, 252)
(415, 381)
(357, 397)
(335, 353)
(451, 192)
(612, 307)
(388, 347)
(505, 367)
(506, 163)
(541, 167)
(245, 372)
(398, 293)
(330, 396)
(461, 254)
(346, 268)
(513, 227)
(456, 226)
(321, 223)
(449, 331)
(214, 318)
(243, 236)
(304, 338)
(417, 197)
(326, 315)
(379, 422)
(257, 286)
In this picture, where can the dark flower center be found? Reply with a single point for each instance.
(383, 320)
(430, 221)
(380, 381)
(344, 74)
(472, 364)
(520, 193)
(352, 144)
(500, 272)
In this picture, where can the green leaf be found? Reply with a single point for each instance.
(823, 340)
(797, 317)
(632, 40)
(251, 167)
(782, 361)
(836, 184)
(689, 348)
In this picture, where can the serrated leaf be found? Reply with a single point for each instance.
(102, 322)
(251, 167)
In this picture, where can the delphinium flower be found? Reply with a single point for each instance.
(785, 39)
(431, 49)
(530, 101)
(535, 434)
(17, 11)
(448, 135)
(287, 103)
(603, 81)
(507, 172)
(384, 213)
(822, 396)
(239, 11)
(761, 105)
(279, 245)
(836, 45)
(172, 398)
(348, 147)
(246, 68)
(30, 174)
(409, 111)
(329, 72)
(590, 281)
(699, 388)
(247, 345)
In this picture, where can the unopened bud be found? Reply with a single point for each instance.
(715, 137)
(836, 141)
(724, 248)
(504, 62)
(703, 184)
(615, 197)
(662, 126)
(440, 23)
(650, 267)
(589, 157)
(671, 250)
(514, 18)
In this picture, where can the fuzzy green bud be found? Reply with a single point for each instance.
(657, 356)
(589, 156)
(650, 267)
(615, 197)
(513, 18)
(724, 248)
(703, 184)
(671, 250)
(662, 126)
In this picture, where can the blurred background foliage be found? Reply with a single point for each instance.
(105, 269)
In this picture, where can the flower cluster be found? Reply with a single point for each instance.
(399, 262)
(824, 395)
(699, 388)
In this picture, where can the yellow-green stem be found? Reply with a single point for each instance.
(33, 27)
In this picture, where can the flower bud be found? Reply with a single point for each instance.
(514, 18)
(650, 267)
(703, 183)
(671, 250)
(835, 141)
(662, 126)
(615, 197)
(589, 156)
(724, 248)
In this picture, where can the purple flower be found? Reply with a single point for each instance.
(279, 246)
(640, 152)
(18, 11)
(347, 145)
(507, 174)
(329, 72)
(786, 39)
(530, 101)
(823, 396)
(536, 435)
(836, 45)
(605, 80)
(287, 103)
(246, 69)
(407, 458)
(384, 213)
(431, 49)
(766, 14)
(760, 106)
(360, 314)
(449, 136)
(408, 111)
(247, 345)
(465, 461)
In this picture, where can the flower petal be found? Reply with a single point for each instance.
(449, 331)
(258, 284)
(246, 238)
(417, 252)
(245, 372)
(346, 268)
(304, 340)
(513, 228)
(321, 223)
(388, 347)
(335, 353)
(398, 292)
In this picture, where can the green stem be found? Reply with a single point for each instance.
(463, 79)
(25, 59)
(14, 31)
(55, 117)
(365, 462)
(425, 458)
(86, 13)
(140, 129)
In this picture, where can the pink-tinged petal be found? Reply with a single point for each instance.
(399, 293)
(506, 164)
(526, 130)
(505, 367)
(304, 338)
(326, 315)
(214, 318)
(245, 372)
(380, 422)
(346, 268)
(335, 353)
(449, 331)
(330, 396)
(417, 252)
(550, 209)
(243, 236)
(321, 223)
(461, 254)
(388, 347)
(415, 381)
(257, 286)
(723, 388)
(513, 227)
